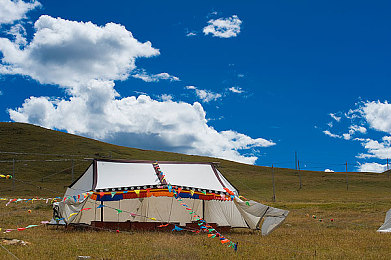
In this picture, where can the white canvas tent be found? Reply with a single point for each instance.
(386, 227)
(138, 187)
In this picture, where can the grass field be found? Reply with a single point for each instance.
(357, 213)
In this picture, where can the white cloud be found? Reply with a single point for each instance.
(143, 75)
(355, 128)
(166, 97)
(346, 136)
(11, 11)
(336, 118)
(70, 53)
(1, 93)
(19, 33)
(328, 170)
(240, 75)
(236, 90)
(376, 149)
(205, 95)
(97, 112)
(327, 132)
(189, 34)
(378, 115)
(86, 59)
(223, 27)
(372, 167)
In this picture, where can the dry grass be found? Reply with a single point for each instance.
(351, 236)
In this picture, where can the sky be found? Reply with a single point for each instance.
(253, 82)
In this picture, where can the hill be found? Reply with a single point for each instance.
(44, 159)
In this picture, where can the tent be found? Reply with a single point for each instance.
(147, 192)
(386, 227)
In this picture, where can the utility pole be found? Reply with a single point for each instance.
(347, 178)
(13, 174)
(274, 185)
(388, 172)
(298, 166)
(296, 160)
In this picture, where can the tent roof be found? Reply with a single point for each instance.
(114, 175)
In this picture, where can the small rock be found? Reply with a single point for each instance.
(15, 242)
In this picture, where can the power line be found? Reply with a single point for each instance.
(50, 154)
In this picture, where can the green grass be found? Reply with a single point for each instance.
(357, 212)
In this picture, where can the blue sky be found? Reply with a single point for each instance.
(251, 82)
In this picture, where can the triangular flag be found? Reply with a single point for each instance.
(247, 203)
(30, 226)
(179, 190)
(204, 192)
(152, 218)
(177, 228)
(101, 194)
(125, 191)
(163, 225)
(224, 241)
(192, 192)
(21, 229)
(72, 214)
(119, 211)
(113, 193)
(137, 192)
(100, 206)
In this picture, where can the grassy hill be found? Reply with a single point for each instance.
(44, 158)
(43, 163)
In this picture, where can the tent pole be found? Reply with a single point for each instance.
(101, 211)
(203, 209)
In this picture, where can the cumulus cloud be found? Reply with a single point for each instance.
(223, 27)
(374, 115)
(143, 75)
(205, 95)
(86, 59)
(378, 115)
(138, 122)
(328, 170)
(70, 53)
(372, 167)
(376, 149)
(236, 90)
(11, 11)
